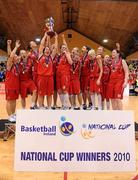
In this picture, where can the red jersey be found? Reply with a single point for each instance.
(117, 71)
(94, 68)
(34, 57)
(55, 63)
(25, 69)
(85, 71)
(45, 66)
(75, 70)
(12, 77)
(63, 67)
(106, 73)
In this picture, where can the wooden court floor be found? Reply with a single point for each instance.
(7, 155)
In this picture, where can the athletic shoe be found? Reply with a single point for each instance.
(12, 118)
(33, 108)
(72, 108)
(84, 106)
(65, 108)
(36, 107)
(77, 108)
(89, 108)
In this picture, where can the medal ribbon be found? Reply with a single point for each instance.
(25, 65)
(47, 60)
(16, 69)
(84, 57)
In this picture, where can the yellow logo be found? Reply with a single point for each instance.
(86, 133)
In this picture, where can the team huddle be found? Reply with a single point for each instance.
(45, 71)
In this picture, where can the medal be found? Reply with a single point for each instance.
(47, 59)
(24, 66)
(36, 54)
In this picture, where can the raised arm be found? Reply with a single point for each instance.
(99, 60)
(17, 45)
(48, 43)
(118, 46)
(54, 51)
(42, 44)
(64, 41)
(126, 70)
(9, 47)
(68, 56)
(10, 59)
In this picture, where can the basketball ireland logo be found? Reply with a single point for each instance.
(66, 128)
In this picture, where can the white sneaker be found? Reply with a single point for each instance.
(12, 118)
(72, 107)
(65, 108)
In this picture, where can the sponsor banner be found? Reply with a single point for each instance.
(81, 141)
(2, 88)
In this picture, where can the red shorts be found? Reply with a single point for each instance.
(85, 83)
(45, 85)
(74, 87)
(104, 91)
(63, 82)
(27, 87)
(94, 88)
(12, 94)
(115, 89)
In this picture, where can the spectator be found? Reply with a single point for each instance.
(2, 71)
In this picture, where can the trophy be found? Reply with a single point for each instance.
(49, 23)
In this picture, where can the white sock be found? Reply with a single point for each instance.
(99, 101)
(32, 104)
(103, 104)
(49, 107)
(108, 105)
(61, 96)
(70, 97)
(74, 97)
(93, 101)
(66, 99)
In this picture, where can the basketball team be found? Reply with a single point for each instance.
(81, 78)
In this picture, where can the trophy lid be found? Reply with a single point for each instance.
(47, 20)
